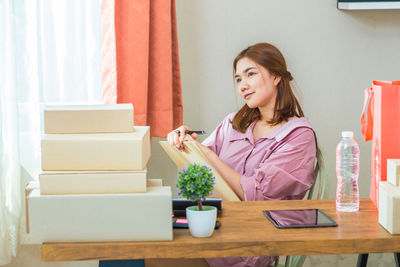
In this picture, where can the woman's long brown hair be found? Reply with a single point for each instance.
(286, 104)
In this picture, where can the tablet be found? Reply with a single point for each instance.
(299, 218)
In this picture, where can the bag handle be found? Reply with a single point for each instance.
(367, 125)
(383, 83)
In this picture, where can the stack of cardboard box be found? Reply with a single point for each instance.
(93, 186)
(389, 198)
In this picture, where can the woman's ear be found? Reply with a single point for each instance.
(277, 79)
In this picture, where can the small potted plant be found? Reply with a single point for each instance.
(196, 183)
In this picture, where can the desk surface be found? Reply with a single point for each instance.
(246, 232)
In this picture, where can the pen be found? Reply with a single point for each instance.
(191, 132)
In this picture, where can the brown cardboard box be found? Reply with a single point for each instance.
(389, 207)
(393, 171)
(101, 217)
(97, 152)
(94, 182)
(65, 119)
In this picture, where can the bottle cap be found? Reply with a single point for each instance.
(347, 134)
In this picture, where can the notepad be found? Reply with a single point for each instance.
(192, 154)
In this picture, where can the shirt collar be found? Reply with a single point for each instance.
(278, 134)
(288, 127)
(248, 134)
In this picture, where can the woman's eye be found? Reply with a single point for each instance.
(251, 73)
(238, 80)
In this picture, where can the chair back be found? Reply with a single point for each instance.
(319, 178)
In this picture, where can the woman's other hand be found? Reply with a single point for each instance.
(205, 149)
(178, 136)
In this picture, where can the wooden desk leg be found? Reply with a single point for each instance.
(397, 259)
(122, 263)
(362, 260)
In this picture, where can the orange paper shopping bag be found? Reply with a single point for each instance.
(380, 122)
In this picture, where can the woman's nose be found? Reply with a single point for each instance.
(244, 86)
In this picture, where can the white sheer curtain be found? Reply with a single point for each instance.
(10, 197)
(50, 52)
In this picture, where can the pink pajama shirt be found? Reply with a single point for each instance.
(280, 165)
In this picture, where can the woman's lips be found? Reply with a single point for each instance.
(247, 95)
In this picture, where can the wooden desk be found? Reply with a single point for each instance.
(246, 232)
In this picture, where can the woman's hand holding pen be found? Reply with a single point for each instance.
(181, 134)
(178, 136)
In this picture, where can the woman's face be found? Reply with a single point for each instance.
(256, 85)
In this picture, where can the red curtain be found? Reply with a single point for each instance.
(148, 74)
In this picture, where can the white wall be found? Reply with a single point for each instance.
(333, 55)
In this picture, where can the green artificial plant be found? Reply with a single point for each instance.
(196, 183)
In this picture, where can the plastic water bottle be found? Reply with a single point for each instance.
(347, 169)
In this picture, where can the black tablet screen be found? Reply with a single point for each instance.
(299, 218)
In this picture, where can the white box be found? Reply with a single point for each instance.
(97, 152)
(111, 118)
(393, 171)
(103, 217)
(101, 182)
(389, 207)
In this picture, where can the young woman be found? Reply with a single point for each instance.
(267, 149)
